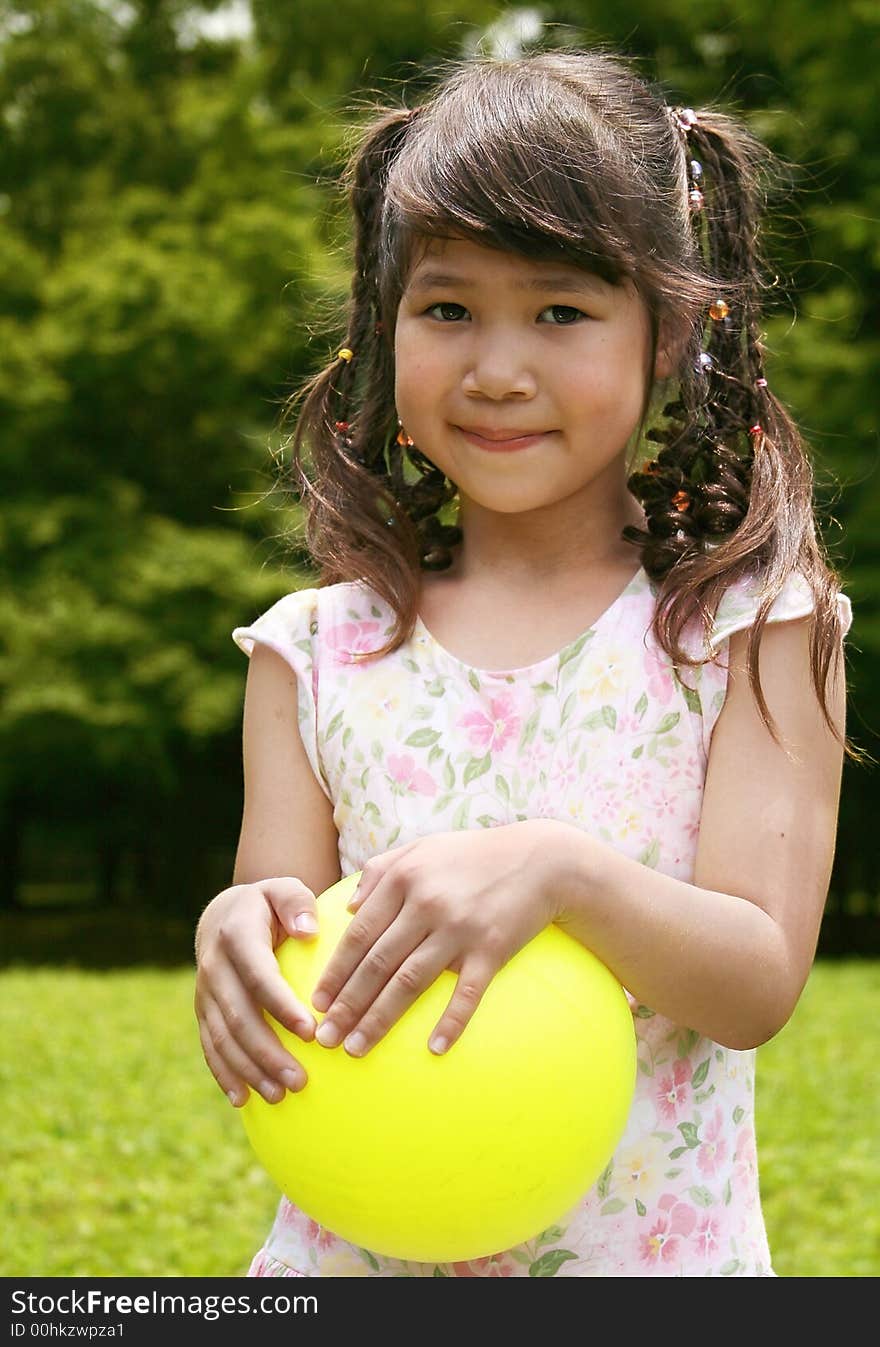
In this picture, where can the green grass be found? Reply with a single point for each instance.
(120, 1157)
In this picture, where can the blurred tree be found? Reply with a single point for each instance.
(172, 255)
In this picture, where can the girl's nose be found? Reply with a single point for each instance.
(498, 369)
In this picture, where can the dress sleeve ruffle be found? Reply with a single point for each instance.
(290, 628)
(737, 611)
(740, 603)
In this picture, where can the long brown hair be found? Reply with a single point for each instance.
(568, 154)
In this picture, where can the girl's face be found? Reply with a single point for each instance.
(523, 381)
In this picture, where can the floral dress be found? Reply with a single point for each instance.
(605, 736)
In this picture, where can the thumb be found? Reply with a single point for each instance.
(294, 905)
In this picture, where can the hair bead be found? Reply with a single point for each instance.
(719, 309)
(345, 354)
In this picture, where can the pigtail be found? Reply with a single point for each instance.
(364, 515)
(731, 490)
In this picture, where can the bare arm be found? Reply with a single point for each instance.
(287, 853)
(729, 954)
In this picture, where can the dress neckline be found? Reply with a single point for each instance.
(602, 620)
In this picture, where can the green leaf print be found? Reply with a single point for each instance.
(544, 687)
(700, 1074)
(640, 1207)
(304, 646)
(609, 717)
(477, 767)
(438, 1272)
(370, 1259)
(573, 651)
(613, 1207)
(570, 704)
(461, 814)
(604, 1183)
(411, 665)
(487, 821)
(334, 725)
(668, 722)
(423, 712)
(637, 752)
(435, 689)
(530, 729)
(641, 706)
(692, 700)
(738, 1114)
(651, 854)
(550, 1262)
(346, 738)
(392, 839)
(502, 788)
(474, 680)
(436, 752)
(690, 1134)
(422, 738)
(521, 1256)
(687, 1041)
(595, 720)
(547, 1236)
(644, 1013)
(443, 803)
(448, 774)
(730, 1268)
(377, 751)
(701, 1196)
(703, 1095)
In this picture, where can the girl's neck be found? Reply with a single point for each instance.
(520, 553)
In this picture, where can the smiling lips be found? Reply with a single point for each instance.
(501, 441)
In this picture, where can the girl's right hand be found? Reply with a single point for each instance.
(237, 976)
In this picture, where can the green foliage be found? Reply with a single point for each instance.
(122, 1158)
(173, 261)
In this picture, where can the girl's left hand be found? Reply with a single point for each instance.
(466, 901)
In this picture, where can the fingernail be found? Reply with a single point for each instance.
(306, 923)
(328, 1034)
(321, 1001)
(355, 1044)
(291, 1080)
(270, 1091)
(438, 1044)
(235, 1099)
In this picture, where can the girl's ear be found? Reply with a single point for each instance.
(668, 351)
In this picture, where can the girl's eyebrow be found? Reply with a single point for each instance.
(429, 280)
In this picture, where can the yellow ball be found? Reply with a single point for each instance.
(454, 1157)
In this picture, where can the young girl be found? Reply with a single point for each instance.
(604, 695)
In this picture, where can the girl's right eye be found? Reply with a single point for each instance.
(444, 306)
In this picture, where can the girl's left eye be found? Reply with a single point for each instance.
(564, 315)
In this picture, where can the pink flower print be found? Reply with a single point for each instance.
(406, 773)
(660, 684)
(351, 638)
(673, 1224)
(746, 1157)
(664, 804)
(562, 775)
(707, 1236)
(532, 757)
(713, 1146)
(491, 732)
(673, 1092)
(316, 1234)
